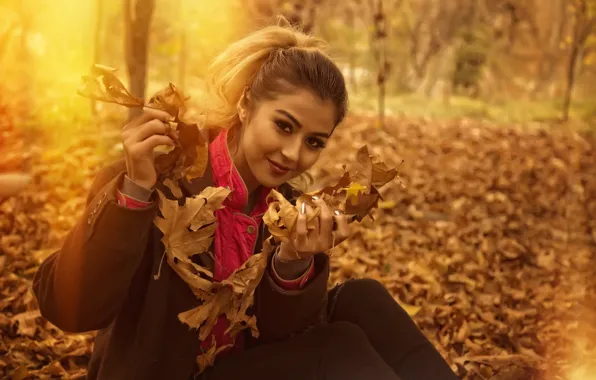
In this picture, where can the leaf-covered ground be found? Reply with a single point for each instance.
(489, 242)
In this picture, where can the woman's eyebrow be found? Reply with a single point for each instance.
(297, 123)
(290, 116)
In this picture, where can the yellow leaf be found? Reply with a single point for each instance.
(355, 188)
(386, 205)
(412, 310)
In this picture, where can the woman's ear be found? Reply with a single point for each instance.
(243, 105)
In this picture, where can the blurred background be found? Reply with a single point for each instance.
(501, 60)
(489, 238)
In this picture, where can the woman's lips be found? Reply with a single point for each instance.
(277, 168)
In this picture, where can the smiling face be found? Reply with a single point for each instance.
(283, 137)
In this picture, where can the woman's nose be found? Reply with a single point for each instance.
(291, 151)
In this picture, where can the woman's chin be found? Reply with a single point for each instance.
(271, 181)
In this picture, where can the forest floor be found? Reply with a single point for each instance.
(488, 241)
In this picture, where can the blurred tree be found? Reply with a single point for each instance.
(182, 50)
(299, 13)
(379, 45)
(97, 43)
(583, 14)
(137, 21)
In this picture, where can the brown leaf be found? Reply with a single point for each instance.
(178, 162)
(362, 168)
(171, 100)
(381, 173)
(26, 322)
(213, 198)
(280, 217)
(103, 85)
(360, 205)
(207, 359)
(174, 188)
(188, 230)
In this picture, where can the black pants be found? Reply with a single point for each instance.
(369, 336)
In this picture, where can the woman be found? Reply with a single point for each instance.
(279, 97)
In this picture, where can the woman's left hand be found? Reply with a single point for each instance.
(306, 243)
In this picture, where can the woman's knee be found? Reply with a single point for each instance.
(359, 292)
(355, 300)
(366, 286)
(343, 332)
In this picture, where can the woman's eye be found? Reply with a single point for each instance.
(284, 126)
(315, 143)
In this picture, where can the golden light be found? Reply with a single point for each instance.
(583, 360)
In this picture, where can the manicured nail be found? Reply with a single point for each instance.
(303, 208)
(337, 212)
(315, 198)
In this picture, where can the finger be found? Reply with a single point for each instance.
(325, 224)
(147, 115)
(343, 230)
(301, 232)
(145, 147)
(153, 127)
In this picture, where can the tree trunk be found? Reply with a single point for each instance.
(581, 31)
(136, 46)
(570, 80)
(350, 18)
(380, 48)
(97, 45)
(182, 52)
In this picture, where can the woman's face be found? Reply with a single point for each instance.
(283, 137)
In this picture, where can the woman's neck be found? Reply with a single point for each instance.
(239, 161)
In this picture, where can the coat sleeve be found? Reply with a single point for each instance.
(81, 286)
(281, 313)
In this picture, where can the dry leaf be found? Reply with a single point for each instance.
(381, 173)
(171, 100)
(213, 198)
(231, 297)
(207, 359)
(184, 235)
(103, 85)
(280, 217)
(174, 188)
(178, 240)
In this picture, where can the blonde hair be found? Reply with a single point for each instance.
(268, 62)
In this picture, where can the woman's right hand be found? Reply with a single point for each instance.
(139, 137)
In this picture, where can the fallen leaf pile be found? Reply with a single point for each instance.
(32, 225)
(489, 244)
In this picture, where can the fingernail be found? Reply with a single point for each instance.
(337, 212)
(303, 208)
(315, 198)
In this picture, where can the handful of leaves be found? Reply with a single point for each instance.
(188, 229)
(188, 159)
(355, 194)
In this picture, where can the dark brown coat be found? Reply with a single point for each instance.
(102, 279)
